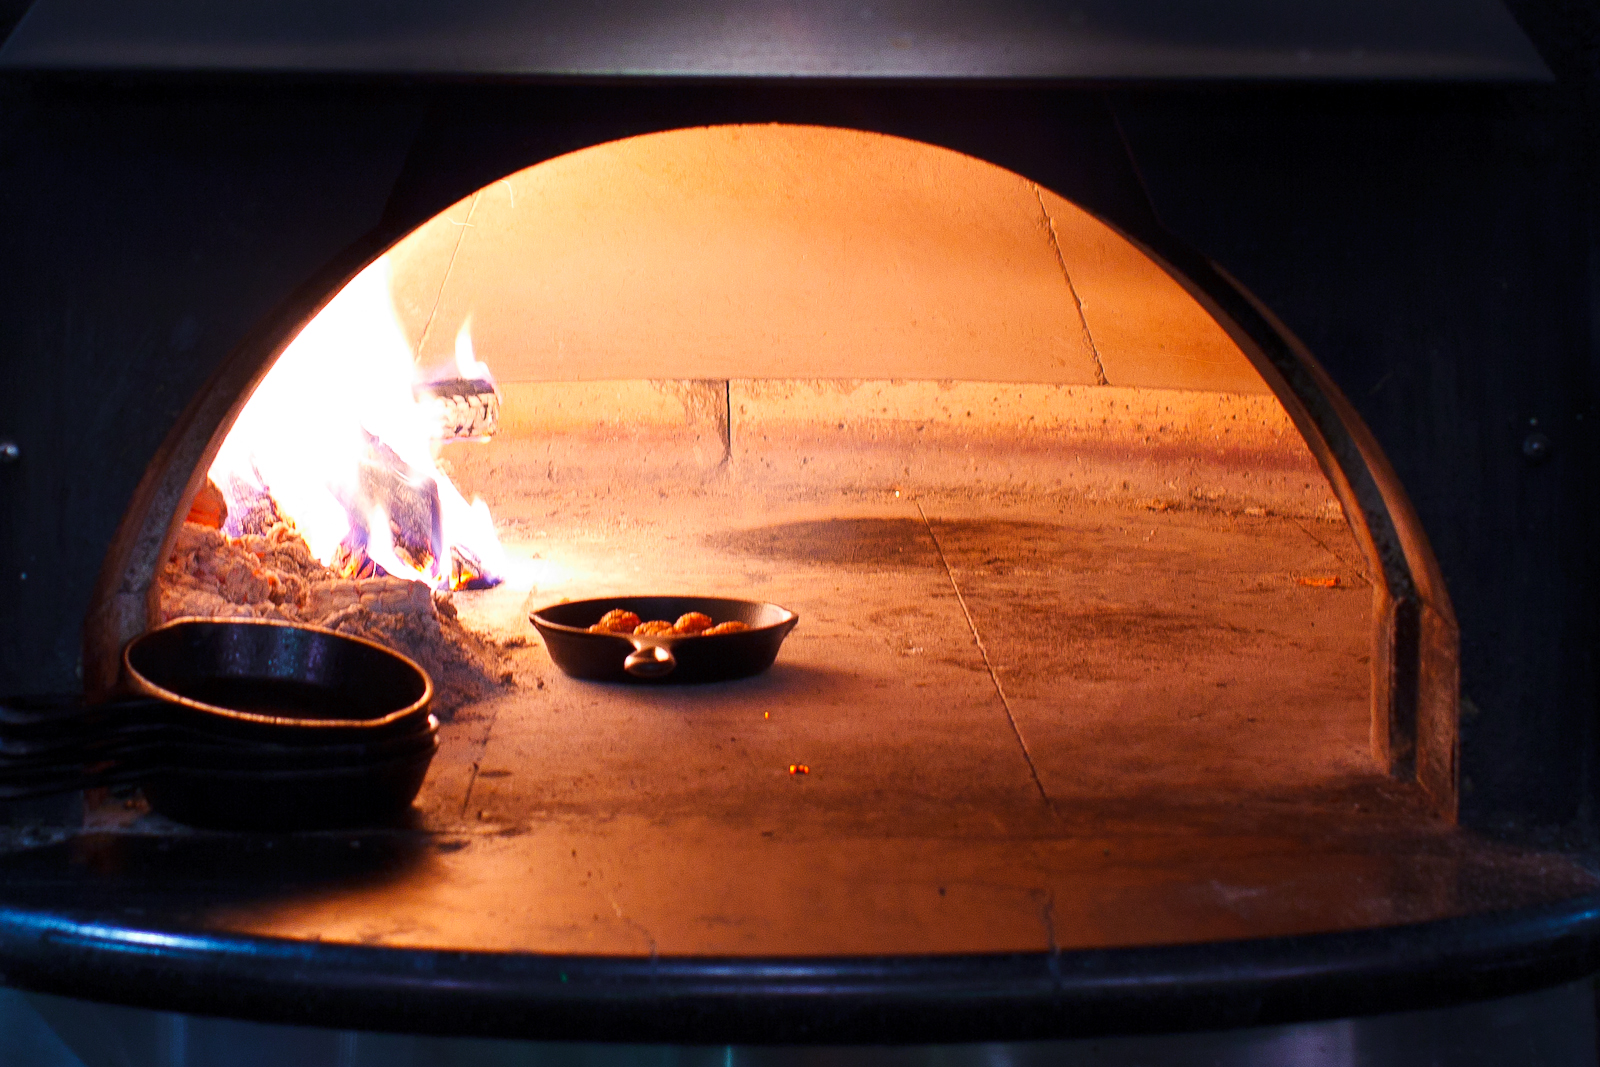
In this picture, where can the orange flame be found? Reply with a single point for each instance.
(334, 440)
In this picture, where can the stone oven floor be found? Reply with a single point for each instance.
(956, 660)
(1029, 723)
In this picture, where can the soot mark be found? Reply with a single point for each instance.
(991, 546)
(998, 548)
(872, 544)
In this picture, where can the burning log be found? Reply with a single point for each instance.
(248, 508)
(468, 409)
(209, 507)
(406, 501)
(397, 526)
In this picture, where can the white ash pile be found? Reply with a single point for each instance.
(274, 576)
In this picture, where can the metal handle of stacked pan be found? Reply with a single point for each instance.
(57, 746)
(40, 777)
(47, 781)
(42, 726)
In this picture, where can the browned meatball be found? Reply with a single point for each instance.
(654, 628)
(618, 622)
(692, 623)
(724, 628)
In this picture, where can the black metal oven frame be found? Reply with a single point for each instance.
(1430, 246)
(1433, 246)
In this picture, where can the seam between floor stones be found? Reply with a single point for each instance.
(983, 650)
(483, 750)
(655, 952)
(472, 780)
(1077, 304)
(1330, 550)
(1047, 916)
(461, 235)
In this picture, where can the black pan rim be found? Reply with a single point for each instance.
(538, 619)
(145, 687)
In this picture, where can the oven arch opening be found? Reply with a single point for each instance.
(1413, 643)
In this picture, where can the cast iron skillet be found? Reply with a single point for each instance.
(666, 658)
(279, 682)
(299, 798)
(237, 681)
(270, 683)
(240, 723)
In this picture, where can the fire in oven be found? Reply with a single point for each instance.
(842, 550)
(749, 466)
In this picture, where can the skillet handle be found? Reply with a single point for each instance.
(70, 714)
(650, 661)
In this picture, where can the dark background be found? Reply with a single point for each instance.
(1433, 246)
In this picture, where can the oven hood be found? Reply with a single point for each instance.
(1113, 40)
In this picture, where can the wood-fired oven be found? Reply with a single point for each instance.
(1174, 438)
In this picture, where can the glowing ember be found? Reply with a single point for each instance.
(339, 438)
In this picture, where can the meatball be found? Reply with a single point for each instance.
(653, 628)
(724, 628)
(618, 622)
(692, 623)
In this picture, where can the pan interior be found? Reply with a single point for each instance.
(281, 671)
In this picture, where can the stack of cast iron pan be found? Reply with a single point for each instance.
(238, 724)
